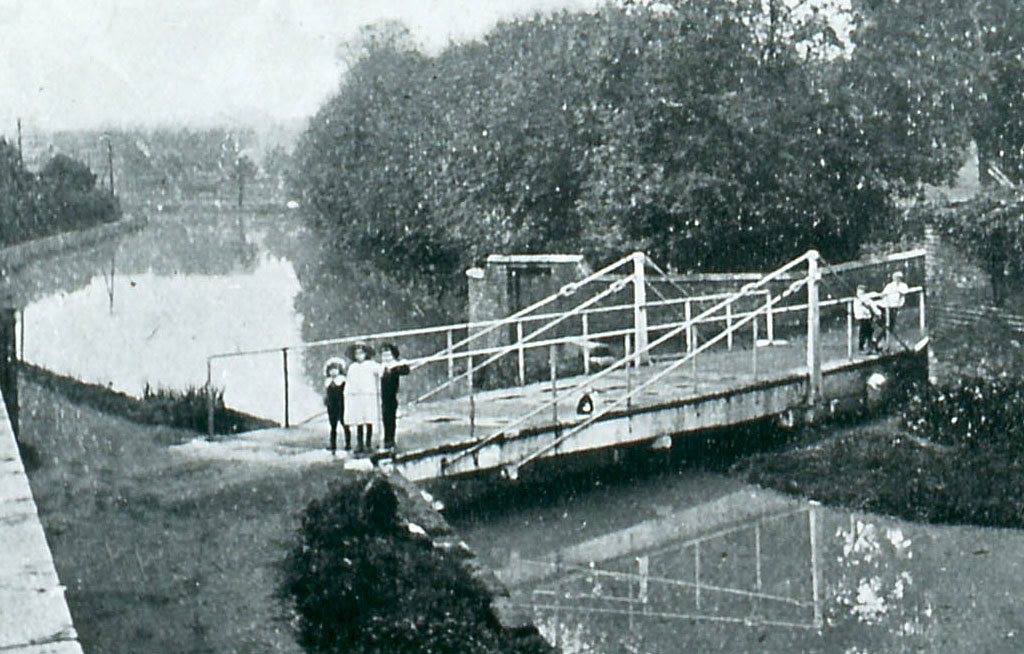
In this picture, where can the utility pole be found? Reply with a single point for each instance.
(21, 156)
(110, 163)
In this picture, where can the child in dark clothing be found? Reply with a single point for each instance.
(334, 398)
(389, 382)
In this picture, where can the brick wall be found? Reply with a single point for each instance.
(960, 312)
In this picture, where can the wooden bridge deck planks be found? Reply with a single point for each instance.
(34, 616)
(436, 423)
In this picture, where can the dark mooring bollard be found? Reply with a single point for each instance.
(9, 363)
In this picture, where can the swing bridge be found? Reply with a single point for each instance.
(631, 355)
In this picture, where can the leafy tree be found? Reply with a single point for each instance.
(715, 136)
(63, 197)
(66, 174)
(17, 197)
(934, 75)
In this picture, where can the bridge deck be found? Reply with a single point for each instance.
(446, 421)
(443, 423)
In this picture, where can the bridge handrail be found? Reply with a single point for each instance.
(565, 291)
(512, 469)
(745, 291)
(614, 288)
(582, 342)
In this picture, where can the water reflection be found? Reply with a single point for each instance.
(150, 307)
(883, 585)
(162, 327)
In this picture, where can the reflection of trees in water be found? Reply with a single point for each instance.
(206, 242)
(346, 297)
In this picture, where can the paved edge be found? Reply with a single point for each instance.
(34, 615)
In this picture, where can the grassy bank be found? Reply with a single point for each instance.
(950, 454)
(160, 554)
(184, 409)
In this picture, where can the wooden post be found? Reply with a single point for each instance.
(585, 328)
(629, 602)
(629, 372)
(21, 328)
(813, 332)
(769, 318)
(688, 316)
(757, 562)
(812, 526)
(472, 398)
(209, 397)
(728, 326)
(520, 353)
(640, 305)
(696, 573)
(284, 360)
(553, 367)
(643, 564)
(753, 347)
(849, 330)
(449, 345)
(920, 311)
(9, 364)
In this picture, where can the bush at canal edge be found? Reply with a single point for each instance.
(359, 580)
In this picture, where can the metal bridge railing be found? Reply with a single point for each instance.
(598, 320)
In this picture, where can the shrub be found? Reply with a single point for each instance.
(359, 581)
(185, 409)
(968, 412)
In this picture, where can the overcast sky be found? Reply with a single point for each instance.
(67, 64)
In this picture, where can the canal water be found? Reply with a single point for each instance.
(148, 309)
(665, 557)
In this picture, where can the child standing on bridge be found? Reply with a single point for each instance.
(394, 368)
(894, 296)
(334, 398)
(865, 312)
(362, 394)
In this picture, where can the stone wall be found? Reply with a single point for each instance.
(34, 616)
(16, 256)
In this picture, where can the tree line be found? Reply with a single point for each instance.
(713, 135)
(62, 197)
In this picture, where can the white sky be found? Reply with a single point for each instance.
(67, 64)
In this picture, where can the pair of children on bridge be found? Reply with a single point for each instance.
(881, 307)
(363, 394)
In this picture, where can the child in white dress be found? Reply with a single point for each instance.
(362, 394)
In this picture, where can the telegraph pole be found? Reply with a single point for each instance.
(110, 163)
(21, 156)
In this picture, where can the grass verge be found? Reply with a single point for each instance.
(160, 554)
(882, 468)
(183, 409)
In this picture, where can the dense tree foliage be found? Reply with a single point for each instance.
(62, 197)
(359, 581)
(944, 72)
(713, 135)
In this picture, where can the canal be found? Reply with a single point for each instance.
(148, 309)
(650, 551)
